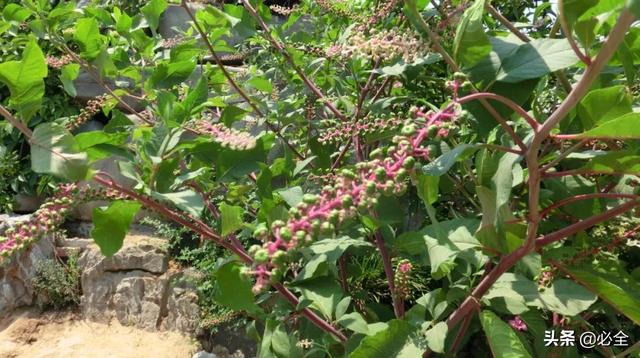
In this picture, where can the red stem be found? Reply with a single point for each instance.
(580, 197)
(398, 304)
(506, 101)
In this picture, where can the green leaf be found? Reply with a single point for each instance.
(87, 34)
(292, 196)
(324, 292)
(25, 80)
(602, 105)
(625, 127)
(613, 285)
(536, 59)
(67, 75)
(471, 43)
(354, 322)
(428, 188)
(261, 84)
(634, 7)
(503, 340)
(152, 11)
(187, 200)
(112, 224)
(443, 163)
(436, 337)
(233, 289)
(400, 68)
(399, 340)
(15, 12)
(55, 151)
(231, 217)
(614, 163)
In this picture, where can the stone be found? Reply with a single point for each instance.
(204, 354)
(183, 311)
(138, 253)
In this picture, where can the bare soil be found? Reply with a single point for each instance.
(32, 334)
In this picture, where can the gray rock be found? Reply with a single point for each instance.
(204, 354)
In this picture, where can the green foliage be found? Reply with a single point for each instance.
(56, 284)
(111, 225)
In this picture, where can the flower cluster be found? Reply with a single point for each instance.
(339, 131)
(383, 45)
(381, 13)
(284, 11)
(350, 192)
(227, 137)
(402, 276)
(518, 324)
(46, 219)
(93, 106)
(336, 7)
(172, 42)
(58, 62)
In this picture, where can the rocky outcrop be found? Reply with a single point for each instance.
(136, 287)
(16, 289)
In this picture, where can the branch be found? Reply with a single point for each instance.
(16, 123)
(581, 197)
(398, 304)
(504, 100)
(585, 224)
(280, 47)
(569, 35)
(608, 49)
(563, 155)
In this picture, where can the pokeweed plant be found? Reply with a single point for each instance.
(489, 167)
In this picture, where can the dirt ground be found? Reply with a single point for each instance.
(31, 334)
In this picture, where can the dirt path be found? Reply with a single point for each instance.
(32, 334)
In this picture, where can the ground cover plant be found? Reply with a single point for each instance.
(414, 178)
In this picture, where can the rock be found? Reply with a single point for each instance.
(204, 354)
(9, 220)
(134, 287)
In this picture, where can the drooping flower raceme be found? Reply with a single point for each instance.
(93, 106)
(352, 192)
(341, 131)
(384, 45)
(49, 217)
(227, 137)
(402, 276)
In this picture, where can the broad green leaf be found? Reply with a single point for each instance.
(67, 75)
(471, 43)
(513, 293)
(15, 12)
(503, 340)
(634, 7)
(324, 292)
(613, 285)
(602, 105)
(55, 151)
(443, 163)
(624, 127)
(400, 68)
(25, 80)
(428, 188)
(292, 196)
(231, 217)
(399, 339)
(436, 337)
(614, 163)
(355, 322)
(111, 225)
(87, 34)
(261, 84)
(152, 11)
(536, 59)
(233, 288)
(187, 200)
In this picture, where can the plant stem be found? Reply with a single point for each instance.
(581, 197)
(569, 35)
(504, 100)
(398, 304)
(16, 123)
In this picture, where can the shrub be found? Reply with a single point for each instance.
(57, 284)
